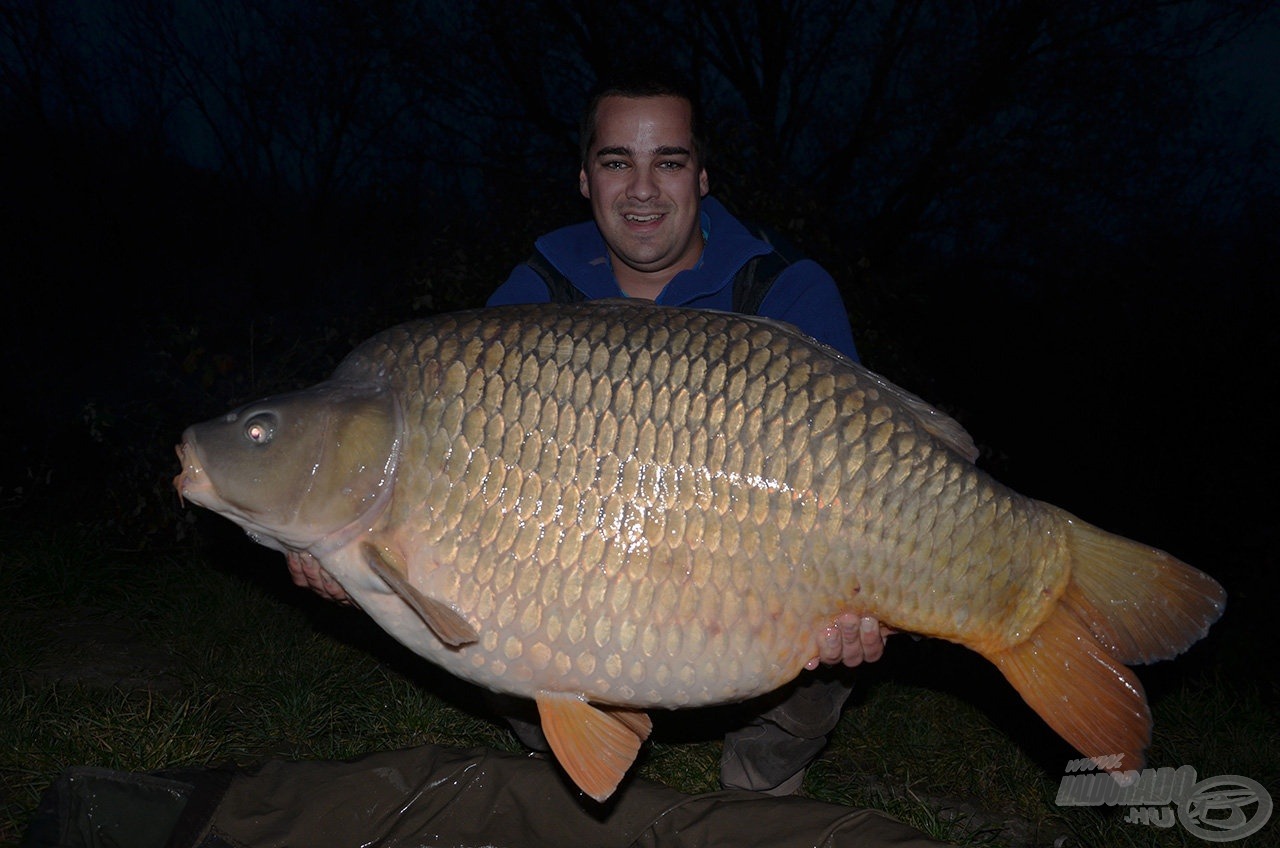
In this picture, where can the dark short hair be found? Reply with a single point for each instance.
(642, 84)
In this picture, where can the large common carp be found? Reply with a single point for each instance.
(613, 506)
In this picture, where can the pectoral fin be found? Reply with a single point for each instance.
(595, 745)
(450, 627)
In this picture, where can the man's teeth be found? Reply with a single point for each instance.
(642, 219)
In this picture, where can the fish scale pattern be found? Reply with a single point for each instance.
(662, 508)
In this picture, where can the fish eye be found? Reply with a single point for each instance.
(261, 428)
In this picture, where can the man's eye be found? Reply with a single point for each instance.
(671, 166)
(615, 165)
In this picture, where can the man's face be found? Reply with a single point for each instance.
(645, 182)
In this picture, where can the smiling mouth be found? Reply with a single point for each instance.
(643, 219)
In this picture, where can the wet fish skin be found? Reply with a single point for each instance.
(611, 507)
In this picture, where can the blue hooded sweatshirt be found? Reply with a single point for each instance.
(804, 294)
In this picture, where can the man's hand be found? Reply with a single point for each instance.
(307, 572)
(850, 640)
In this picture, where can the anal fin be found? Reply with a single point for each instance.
(594, 745)
(1080, 690)
(450, 627)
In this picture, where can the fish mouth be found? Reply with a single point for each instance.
(191, 482)
(195, 487)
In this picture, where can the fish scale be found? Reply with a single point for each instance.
(613, 507)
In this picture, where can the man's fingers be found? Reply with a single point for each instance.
(306, 571)
(871, 640)
(850, 640)
(297, 571)
(832, 645)
(861, 639)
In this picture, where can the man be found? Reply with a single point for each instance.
(655, 234)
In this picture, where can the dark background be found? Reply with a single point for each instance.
(1058, 221)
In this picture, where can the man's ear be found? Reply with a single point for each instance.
(583, 186)
(704, 183)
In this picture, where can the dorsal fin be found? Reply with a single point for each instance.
(450, 627)
(594, 745)
(938, 423)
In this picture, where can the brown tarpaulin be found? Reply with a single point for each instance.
(430, 796)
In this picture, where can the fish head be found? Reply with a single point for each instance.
(300, 471)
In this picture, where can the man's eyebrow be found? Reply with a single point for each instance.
(622, 150)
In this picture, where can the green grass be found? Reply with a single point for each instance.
(218, 659)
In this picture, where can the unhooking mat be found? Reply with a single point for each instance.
(428, 796)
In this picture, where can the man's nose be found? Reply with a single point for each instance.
(642, 186)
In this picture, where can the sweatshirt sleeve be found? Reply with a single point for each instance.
(522, 286)
(806, 295)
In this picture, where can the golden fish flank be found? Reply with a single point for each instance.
(611, 507)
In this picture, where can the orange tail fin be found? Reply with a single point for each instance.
(1125, 603)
